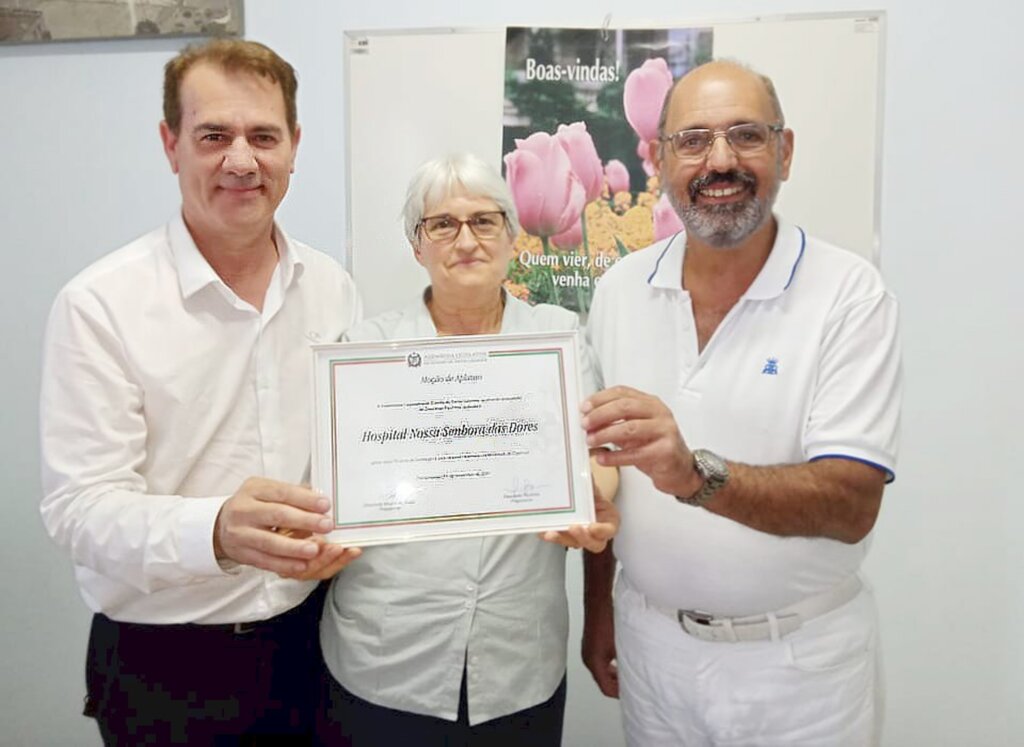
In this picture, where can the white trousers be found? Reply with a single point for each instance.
(820, 685)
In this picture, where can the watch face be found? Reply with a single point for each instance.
(710, 464)
(715, 472)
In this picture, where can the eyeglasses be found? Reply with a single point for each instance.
(745, 139)
(446, 227)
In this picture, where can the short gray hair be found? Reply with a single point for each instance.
(438, 177)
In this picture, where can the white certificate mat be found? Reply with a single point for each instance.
(450, 437)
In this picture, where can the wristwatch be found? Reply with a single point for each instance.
(715, 472)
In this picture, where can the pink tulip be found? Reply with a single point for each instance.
(643, 96)
(549, 197)
(666, 221)
(617, 176)
(579, 146)
(570, 238)
(643, 151)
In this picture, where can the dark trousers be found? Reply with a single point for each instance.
(206, 684)
(348, 721)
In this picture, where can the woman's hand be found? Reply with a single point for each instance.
(593, 537)
(328, 561)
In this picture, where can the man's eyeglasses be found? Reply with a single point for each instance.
(747, 139)
(486, 225)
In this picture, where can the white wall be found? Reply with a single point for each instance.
(82, 173)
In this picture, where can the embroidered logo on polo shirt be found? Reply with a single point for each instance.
(771, 367)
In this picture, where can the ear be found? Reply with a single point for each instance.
(295, 147)
(416, 250)
(170, 141)
(786, 139)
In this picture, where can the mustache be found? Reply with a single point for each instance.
(732, 176)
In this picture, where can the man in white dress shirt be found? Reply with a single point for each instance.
(754, 391)
(175, 370)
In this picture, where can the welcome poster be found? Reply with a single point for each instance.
(580, 107)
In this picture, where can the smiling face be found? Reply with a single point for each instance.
(233, 153)
(723, 199)
(466, 265)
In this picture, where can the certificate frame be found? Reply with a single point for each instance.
(446, 437)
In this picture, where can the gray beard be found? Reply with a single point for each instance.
(723, 226)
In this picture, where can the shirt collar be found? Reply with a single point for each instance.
(195, 273)
(774, 278)
(781, 265)
(667, 271)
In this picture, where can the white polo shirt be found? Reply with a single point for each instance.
(805, 366)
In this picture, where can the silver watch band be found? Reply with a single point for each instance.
(715, 472)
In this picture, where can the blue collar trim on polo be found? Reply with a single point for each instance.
(780, 268)
(671, 275)
(774, 278)
(803, 245)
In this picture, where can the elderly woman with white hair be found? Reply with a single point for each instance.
(457, 642)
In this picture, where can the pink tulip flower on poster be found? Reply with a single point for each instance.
(570, 238)
(586, 164)
(549, 197)
(643, 95)
(617, 176)
(643, 152)
(666, 220)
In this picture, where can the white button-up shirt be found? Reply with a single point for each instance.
(402, 621)
(162, 391)
(805, 366)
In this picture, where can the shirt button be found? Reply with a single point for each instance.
(470, 587)
(469, 605)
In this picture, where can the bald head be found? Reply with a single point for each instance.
(715, 77)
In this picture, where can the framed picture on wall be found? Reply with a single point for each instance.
(31, 21)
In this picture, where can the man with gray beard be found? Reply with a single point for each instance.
(739, 616)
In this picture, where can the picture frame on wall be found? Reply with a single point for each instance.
(35, 21)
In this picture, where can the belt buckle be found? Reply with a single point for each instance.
(701, 618)
(245, 628)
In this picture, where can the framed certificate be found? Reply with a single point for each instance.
(450, 437)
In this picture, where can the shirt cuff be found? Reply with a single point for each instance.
(195, 537)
